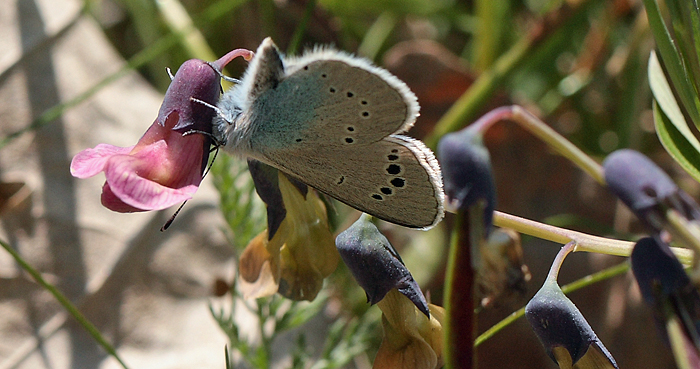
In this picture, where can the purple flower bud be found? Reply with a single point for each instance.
(466, 170)
(665, 286)
(645, 188)
(376, 265)
(559, 324)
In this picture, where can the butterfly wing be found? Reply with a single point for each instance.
(396, 179)
(332, 120)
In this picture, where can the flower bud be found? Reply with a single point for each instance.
(376, 265)
(466, 169)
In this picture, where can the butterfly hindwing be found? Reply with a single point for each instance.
(396, 179)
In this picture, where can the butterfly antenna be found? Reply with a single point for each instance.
(211, 164)
(172, 218)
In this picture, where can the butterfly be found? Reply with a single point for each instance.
(334, 121)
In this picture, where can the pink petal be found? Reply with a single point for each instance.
(89, 162)
(142, 193)
(112, 202)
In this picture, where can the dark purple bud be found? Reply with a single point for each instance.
(376, 265)
(466, 170)
(266, 183)
(645, 188)
(267, 186)
(657, 270)
(194, 79)
(665, 286)
(558, 323)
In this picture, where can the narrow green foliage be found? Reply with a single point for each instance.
(301, 28)
(673, 61)
(65, 302)
(346, 339)
(240, 205)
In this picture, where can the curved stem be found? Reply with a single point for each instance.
(584, 242)
(559, 260)
(541, 130)
(557, 142)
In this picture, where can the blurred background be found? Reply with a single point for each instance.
(79, 73)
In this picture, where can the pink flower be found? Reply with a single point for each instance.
(165, 167)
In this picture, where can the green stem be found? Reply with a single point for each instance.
(683, 230)
(301, 28)
(584, 242)
(558, 143)
(65, 302)
(559, 260)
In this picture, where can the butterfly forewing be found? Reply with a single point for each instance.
(354, 101)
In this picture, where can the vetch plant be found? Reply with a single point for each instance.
(565, 334)
(469, 187)
(654, 198)
(287, 273)
(412, 327)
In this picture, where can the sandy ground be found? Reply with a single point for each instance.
(147, 291)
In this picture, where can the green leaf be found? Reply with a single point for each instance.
(677, 144)
(685, 23)
(667, 102)
(671, 126)
(672, 61)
